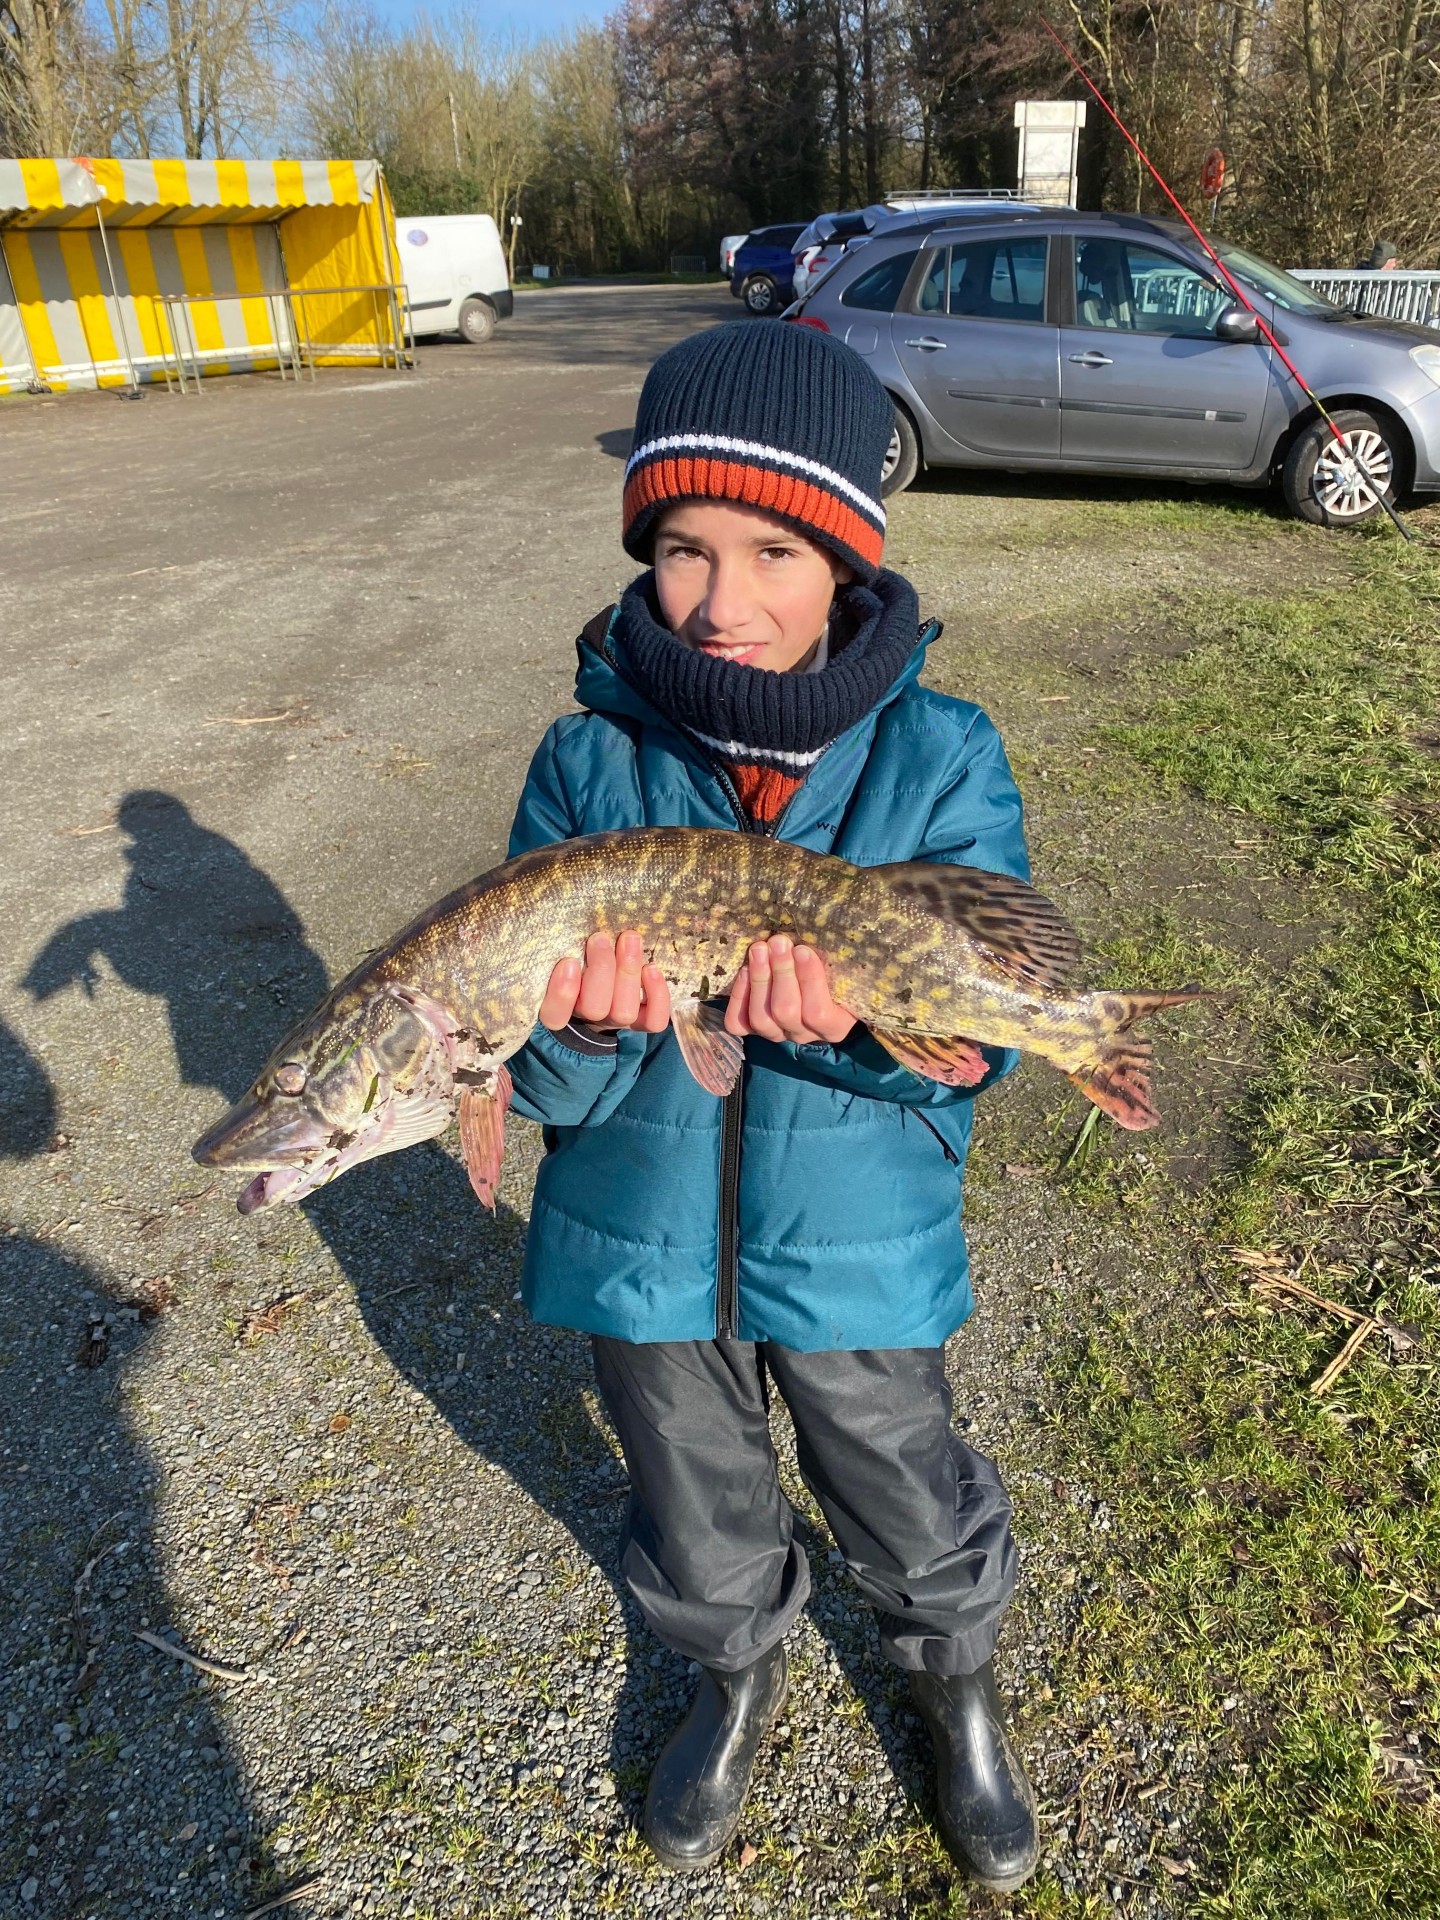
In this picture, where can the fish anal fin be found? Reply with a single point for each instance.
(713, 1055)
(953, 1062)
(1026, 933)
(482, 1135)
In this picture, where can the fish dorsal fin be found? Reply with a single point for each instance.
(482, 1134)
(713, 1055)
(1024, 931)
(954, 1063)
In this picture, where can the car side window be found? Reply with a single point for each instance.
(1137, 289)
(880, 288)
(998, 279)
(931, 298)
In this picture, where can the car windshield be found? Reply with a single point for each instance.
(1260, 277)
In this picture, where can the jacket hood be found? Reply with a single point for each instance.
(602, 684)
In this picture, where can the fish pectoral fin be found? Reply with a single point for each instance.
(482, 1135)
(953, 1062)
(713, 1055)
(1025, 932)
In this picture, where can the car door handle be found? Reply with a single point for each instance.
(1090, 358)
(926, 340)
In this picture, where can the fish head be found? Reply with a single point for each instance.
(370, 1072)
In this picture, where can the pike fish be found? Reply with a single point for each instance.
(937, 960)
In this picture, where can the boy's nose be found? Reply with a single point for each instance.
(727, 601)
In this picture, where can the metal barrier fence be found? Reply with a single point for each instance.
(1388, 296)
(290, 346)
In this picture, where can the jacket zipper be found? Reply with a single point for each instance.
(732, 1121)
(732, 1126)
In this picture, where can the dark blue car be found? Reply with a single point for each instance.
(761, 274)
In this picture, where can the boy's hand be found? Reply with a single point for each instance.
(613, 988)
(783, 994)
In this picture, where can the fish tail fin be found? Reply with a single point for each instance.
(1119, 1084)
(1118, 1078)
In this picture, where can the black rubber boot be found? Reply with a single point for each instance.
(701, 1780)
(986, 1804)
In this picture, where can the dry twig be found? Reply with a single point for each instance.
(284, 1899)
(193, 1659)
(1342, 1359)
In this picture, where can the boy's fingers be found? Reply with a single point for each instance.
(626, 996)
(758, 1011)
(785, 1009)
(558, 1005)
(655, 1014)
(737, 1011)
(597, 988)
(817, 1009)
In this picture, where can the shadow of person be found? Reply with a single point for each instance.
(200, 927)
(27, 1100)
(616, 441)
(204, 929)
(113, 1762)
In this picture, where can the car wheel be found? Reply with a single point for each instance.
(477, 320)
(761, 295)
(902, 456)
(1331, 488)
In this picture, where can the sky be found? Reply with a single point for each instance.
(535, 16)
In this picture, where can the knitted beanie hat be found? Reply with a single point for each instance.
(772, 415)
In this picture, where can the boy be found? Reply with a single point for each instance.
(764, 676)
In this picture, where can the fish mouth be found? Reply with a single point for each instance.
(286, 1170)
(277, 1184)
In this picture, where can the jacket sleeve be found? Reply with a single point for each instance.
(976, 821)
(574, 1079)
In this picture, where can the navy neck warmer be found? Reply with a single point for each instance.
(750, 713)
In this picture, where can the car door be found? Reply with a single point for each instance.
(979, 348)
(1143, 380)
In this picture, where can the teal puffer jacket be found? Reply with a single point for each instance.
(819, 1206)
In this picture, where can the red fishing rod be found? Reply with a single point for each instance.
(1267, 331)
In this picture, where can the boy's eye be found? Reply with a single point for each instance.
(777, 553)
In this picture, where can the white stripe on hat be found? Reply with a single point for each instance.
(757, 450)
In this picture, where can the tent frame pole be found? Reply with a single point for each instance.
(119, 310)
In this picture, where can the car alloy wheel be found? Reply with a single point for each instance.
(760, 296)
(1350, 485)
(892, 457)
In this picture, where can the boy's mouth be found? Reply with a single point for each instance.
(729, 650)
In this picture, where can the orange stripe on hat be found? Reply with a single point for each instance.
(662, 482)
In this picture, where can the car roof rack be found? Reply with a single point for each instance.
(952, 193)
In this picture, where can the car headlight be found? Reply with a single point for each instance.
(1427, 358)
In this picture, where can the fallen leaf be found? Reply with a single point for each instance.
(1177, 1869)
(1018, 1171)
(749, 1854)
(340, 1423)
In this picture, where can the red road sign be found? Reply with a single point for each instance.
(1212, 174)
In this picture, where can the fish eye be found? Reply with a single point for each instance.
(292, 1076)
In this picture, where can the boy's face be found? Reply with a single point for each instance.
(741, 585)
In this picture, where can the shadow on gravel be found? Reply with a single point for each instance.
(113, 1772)
(27, 1100)
(208, 932)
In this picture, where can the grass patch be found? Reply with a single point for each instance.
(1273, 1573)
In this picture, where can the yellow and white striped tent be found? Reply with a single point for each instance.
(88, 249)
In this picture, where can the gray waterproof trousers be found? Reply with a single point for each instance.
(708, 1547)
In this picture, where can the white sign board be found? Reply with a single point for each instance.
(1049, 149)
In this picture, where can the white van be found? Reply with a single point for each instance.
(453, 267)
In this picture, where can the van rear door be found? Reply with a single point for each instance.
(426, 268)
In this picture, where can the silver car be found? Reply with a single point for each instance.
(1108, 343)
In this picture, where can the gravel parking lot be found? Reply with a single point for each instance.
(277, 659)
